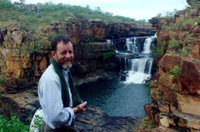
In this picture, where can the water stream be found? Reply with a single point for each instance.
(128, 96)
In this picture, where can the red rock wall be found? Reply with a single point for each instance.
(176, 93)
(24, 54)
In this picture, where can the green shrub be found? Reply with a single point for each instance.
(175, 71)
(108, 54)
(146, 124)
(5, 4)
(20, 81)
(158, 94)
(198, 20)
(180, 22)
(12, 125)
(3, 79)
(97, 38)
(185, 51)
(148, 89)
(174, 44)
(159, 50)
(195, 3)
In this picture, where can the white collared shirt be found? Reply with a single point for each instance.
(50, 97)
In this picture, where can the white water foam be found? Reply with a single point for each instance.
(137, 77)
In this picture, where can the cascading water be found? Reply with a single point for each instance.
(131, 45)
(140, 66)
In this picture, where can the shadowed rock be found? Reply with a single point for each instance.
(95, 120)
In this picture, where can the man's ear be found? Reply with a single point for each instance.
(53, 54)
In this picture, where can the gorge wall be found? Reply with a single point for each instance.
(175, 88)
(24, 54)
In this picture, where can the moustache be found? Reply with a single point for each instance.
(68, 59)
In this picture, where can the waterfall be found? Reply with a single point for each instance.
(147, 44)
(131, 45)
(140, 68)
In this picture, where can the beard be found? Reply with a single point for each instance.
(66, 67)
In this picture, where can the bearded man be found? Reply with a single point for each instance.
(58, 97)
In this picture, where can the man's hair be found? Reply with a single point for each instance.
(57, 39)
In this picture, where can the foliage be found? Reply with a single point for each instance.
(158, 50)
(195, 2)
(174, 44)
(47, 13)
(168, 28)
(180, 22)
(108, 54)
(175, 71)
(20, 81)
(155, 39)
(185, 51)
(3, 79)
(148, 89)
(97, 38)
(146, 124)
(5, 4)
(167, 14)
(198, 20)
(158, 94)
(12, 125)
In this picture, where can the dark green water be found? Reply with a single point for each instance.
(116, 98)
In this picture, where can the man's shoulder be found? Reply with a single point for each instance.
(49, 73)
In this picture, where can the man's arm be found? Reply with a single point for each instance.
(51, 102)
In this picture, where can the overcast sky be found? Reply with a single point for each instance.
(137, 9)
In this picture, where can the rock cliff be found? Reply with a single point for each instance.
(24, 54)
(175, 87)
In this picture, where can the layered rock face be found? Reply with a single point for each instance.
(175, 90)
(24, 54)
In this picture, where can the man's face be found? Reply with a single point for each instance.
(64, 55)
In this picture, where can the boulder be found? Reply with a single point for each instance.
(188, 120)
(195, 52)
(190, 76)
(188, 104)
(168, 62)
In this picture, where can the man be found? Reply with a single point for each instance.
(58, 97)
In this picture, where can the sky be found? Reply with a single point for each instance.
(137, 9)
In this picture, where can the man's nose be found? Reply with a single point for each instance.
(67, 55)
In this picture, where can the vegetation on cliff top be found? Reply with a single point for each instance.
(32, 17)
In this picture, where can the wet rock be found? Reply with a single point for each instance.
(94, 119)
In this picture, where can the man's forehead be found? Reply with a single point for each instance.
(64, 46)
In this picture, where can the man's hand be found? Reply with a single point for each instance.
(80, 107)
